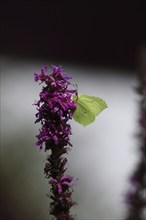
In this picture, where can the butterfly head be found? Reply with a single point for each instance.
(75, 97)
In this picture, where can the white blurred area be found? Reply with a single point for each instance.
(103, 154)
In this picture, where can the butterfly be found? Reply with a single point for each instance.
(88, 107)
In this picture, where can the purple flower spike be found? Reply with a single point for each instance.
(55, 108)
(135, 197)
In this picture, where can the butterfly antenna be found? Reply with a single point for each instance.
(76, 87)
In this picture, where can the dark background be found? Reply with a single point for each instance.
(91, 32)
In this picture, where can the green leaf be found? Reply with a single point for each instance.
(88, 107)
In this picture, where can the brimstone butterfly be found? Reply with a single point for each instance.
(88, 107)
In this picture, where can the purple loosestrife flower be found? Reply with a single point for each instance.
(136, 198)
(55, 107)
(61, 182)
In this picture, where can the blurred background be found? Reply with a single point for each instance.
(98, 44)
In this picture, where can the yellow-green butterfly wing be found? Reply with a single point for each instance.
(88, 107)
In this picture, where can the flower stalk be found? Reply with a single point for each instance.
(55, 108)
